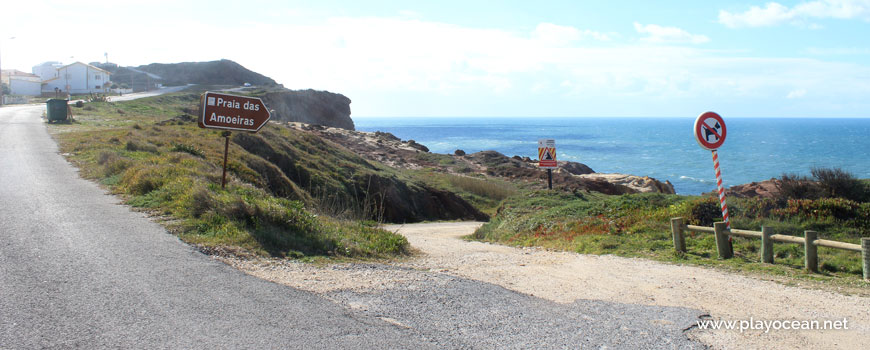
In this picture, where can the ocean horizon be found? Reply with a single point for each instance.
(664, 148)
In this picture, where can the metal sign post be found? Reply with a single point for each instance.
(547, 158)
(710, 134)
(226, 135)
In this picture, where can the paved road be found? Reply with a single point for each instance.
(77, 270)
(137, 95)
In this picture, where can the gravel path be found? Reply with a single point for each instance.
(609, 300)
(457, 312)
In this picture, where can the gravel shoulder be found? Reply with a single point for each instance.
(568, 278)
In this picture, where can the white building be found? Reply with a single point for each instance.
(75, 78)
(46, 70)
(21, 83)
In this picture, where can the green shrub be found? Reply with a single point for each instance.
(827, 210)
(838, 183)
(180, 147)
(487, 188)
(134, 146)
(112, 163)
(141, 180)
(793, 186)
(702, 211)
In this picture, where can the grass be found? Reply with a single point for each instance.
(637, 225)
(484, 193)
(151, 152)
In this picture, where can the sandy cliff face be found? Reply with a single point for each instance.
(310, 107)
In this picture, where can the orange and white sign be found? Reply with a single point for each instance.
(547, 154)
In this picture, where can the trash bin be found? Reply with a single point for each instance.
(56, 109)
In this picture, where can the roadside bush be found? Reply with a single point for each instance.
(703, 211)
(753, 207)
(841, 210)
(838, 183)
(201, 201)
(180, 147)
(112, 163)
(134, 146)
(143, 179)
(793, 186)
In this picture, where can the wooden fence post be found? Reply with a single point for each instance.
(811, 255)
(865, 255)
(723, 246)
(766, 245)
(677, 230)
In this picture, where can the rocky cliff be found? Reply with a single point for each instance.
(310, 107)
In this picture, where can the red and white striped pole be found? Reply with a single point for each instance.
(710, 133)
(721, 191)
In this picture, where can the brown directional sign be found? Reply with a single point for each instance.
(231, 112)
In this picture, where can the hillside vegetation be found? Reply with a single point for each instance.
(637, 225)
(288, 194)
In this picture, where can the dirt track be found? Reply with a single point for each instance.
(565, 277)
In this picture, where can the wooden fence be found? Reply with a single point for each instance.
(810, 241)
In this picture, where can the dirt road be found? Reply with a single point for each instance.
(567, 277)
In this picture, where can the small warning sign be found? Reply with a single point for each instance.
(547, 154)
(710, 130)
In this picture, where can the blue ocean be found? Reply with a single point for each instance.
(755, 149)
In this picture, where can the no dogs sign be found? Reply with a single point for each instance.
(710, 131)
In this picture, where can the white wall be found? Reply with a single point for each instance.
(45, 72)
(25, 87)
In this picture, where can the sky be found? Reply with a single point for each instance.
(489, 58)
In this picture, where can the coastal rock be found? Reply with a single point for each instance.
(310, 107)
(386, 136)
(417, 146)
(642, 184)
(575, 168)
(763, 189)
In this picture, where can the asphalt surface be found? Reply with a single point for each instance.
(79, 270)
(455, 313)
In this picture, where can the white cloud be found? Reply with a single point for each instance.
(774, 13)
(796, 93)
(668, 35)
(564, 35)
